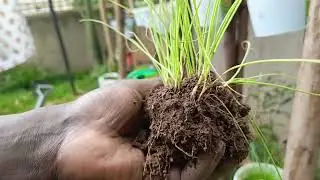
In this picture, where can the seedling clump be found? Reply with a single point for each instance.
(195, 109)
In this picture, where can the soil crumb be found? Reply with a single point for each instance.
(181, 126)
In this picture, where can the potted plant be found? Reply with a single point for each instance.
(183, 114)
(258, 171)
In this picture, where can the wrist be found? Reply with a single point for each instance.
(30, 141)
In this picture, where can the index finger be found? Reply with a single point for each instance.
(143, 86)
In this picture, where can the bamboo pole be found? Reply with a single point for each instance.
(304, 135)
(62, 47)
(107, 37)
(120, 41)
(131, 4)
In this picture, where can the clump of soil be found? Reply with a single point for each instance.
(182, 127)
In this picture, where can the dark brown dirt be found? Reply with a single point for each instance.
(182, 127)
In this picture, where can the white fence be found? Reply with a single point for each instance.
(34, 7)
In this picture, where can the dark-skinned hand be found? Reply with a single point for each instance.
(88, 138)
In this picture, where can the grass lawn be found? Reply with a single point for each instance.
(16, 90)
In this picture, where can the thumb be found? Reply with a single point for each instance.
(143, 87)
(125, 114)
(119, 106)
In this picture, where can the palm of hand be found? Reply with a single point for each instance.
(96, 147)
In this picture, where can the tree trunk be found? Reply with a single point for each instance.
(120, 41)
(91, 33)
(304, 135)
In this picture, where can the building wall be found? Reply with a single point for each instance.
(48, 55)
(281, 46)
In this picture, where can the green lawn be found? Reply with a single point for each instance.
(16, 90)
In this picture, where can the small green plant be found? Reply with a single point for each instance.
(185, 49)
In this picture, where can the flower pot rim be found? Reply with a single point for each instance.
(265, 166)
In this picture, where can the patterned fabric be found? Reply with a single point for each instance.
(16, 42)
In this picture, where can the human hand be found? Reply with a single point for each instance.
(93, 141)
(99, 150)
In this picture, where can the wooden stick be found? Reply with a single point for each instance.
(131, 4)
(236, 33)
(107, 37)
(304, 135)
(242, 25)
(120, 41)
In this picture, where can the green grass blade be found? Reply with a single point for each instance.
(242, 62)
(272, 61)
(256, 127)
(251, 81)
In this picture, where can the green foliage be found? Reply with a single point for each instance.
(318, 170)
(21, 76)
(268, 113)
(258, 152)
(98, 70)
(16, 85)
(307, 8)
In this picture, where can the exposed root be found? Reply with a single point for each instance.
(183, 127)
(190, 155)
